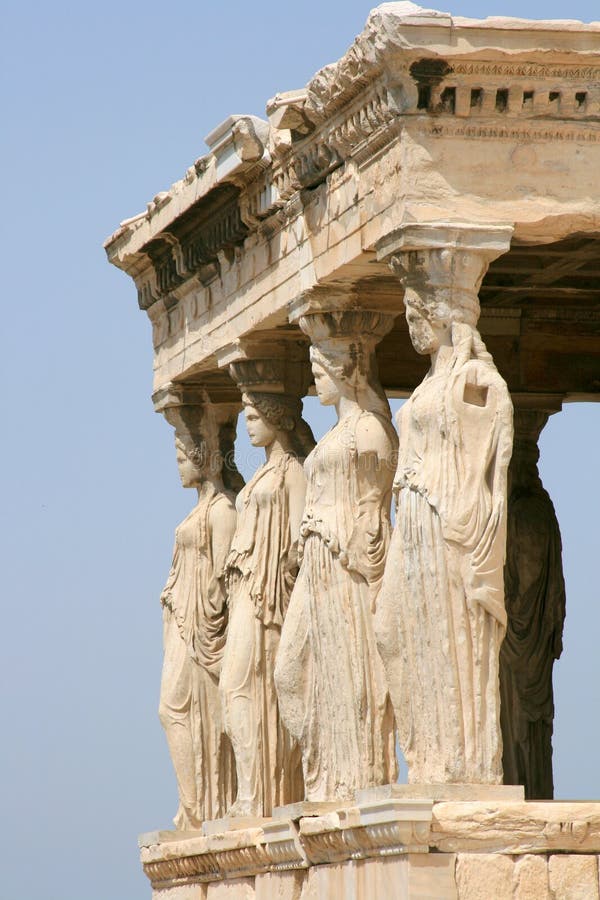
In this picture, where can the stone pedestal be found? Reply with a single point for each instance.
(406, 849)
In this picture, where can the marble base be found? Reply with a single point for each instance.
(296, 811)
(407, 848)
(232, 823)
(494, 792)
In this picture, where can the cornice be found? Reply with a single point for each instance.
(442, 77)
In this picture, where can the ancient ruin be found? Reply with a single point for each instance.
(422, 220)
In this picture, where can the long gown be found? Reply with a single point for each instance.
(261, 569)
(441, 618)
(535, 603)
(194, 629)
(331, 685)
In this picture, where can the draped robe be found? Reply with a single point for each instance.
(441, 618)
(194, 629)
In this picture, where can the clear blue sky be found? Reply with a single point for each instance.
(103, 106)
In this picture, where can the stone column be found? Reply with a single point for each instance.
(181, 404)
(194, 604)
(441, 616)
(535, 604)
(442, 262)
(330, 680)
(261, 569)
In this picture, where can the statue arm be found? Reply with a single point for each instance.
(475, 511)
(295, 484)
(165, 597)
(221, 522)
(374, 473)
(296, 488)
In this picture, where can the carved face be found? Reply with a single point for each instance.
(190, 462)
(260, 430)
(328, 391)
(426, 335)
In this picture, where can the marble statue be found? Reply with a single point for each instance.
(261, 569)
(195, 615)
(330, 681)
(535, 605)
(441, 617)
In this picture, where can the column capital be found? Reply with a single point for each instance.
(283, 377)
(275, 384)
(341, 326)
(275, 344)
(443, 263)
(205, 417)
(489, 240)
(531, 413)
(339, 297)
(269, 363)
(537, 402)
(176, 399)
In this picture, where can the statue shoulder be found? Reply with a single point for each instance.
(480, 384)
(374, 434)
(222, 513)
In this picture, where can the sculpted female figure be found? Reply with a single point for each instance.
(441, 617)
(195, 621)
(329, 677)
(261, 569)
(535, 604)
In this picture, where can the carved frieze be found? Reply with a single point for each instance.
(371, 830)
(383, 828)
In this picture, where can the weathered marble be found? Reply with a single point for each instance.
(440, 615)
(517, 828)
(535, 606)
(195, 611)
(517, 851)
(261, 569)
(573, 877)
(330, 680)
(485, 136)
(427, 116)
(530, 878)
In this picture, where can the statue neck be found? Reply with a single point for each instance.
(208, 484)
(442, 357)
(345, 407)
(280, 447)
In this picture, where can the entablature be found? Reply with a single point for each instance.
(426, 117)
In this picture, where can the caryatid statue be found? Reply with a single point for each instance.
(330, 680)
(261, 569)
(441, 616)
(535, 604)
(194, 605)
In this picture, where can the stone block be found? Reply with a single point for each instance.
(431, 876)
(379, 878)
(483, 876)
(504, 793)
(151, 838)
(181, 892)
(364, 880)
(516, 828)
(279, 885)
(232, 823)
(302, 808)
(234, 889)
(573, 877)
(530, 878)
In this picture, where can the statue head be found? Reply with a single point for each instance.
(272, 390)
(196, 443)
(271, 417)
(204, 434)
(343, 356)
